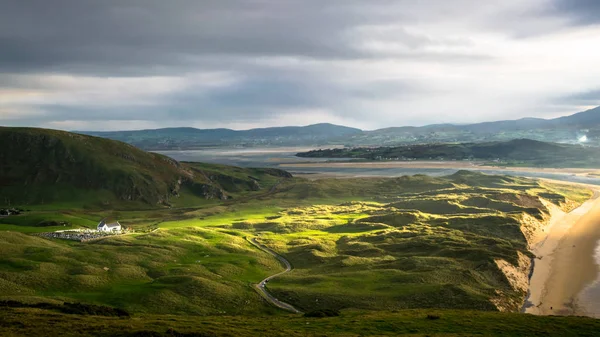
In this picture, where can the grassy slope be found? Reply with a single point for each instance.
(188, 271)
(44, 166)
(408, 241)
(48, 168)
(29, 322)
(433, 245)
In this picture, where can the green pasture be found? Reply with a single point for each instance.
(373, 243)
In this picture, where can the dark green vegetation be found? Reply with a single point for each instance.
(514, 153)
(190, 138)
(70, 308)
(48, 167)
(425, 242)
(322, 313)
(35, 322)
(384, 244)
(564, 129)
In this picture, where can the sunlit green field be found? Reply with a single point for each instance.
(374, 244)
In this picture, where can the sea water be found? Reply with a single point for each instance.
(588, 300)
(273, 157)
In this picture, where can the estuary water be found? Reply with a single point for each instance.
(276, 157)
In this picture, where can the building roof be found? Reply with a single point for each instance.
(109, 223)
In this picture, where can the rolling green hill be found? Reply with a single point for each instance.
(370, 243)
(42, 167)
(393, 255)
(513, 152)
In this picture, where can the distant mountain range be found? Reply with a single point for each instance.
(568, 129)
(517, 152)
(191, 138)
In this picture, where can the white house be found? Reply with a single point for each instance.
(107, 225)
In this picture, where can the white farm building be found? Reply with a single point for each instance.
(107, 225)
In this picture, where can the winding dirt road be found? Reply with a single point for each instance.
(261, 286)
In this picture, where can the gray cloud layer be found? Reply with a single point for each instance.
(239, 63)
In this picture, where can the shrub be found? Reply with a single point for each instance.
(71, 308)
(91, 309)
(322, 313)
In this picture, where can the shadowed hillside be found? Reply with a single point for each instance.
(47, 166)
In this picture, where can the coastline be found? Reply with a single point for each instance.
(565, 265)
(564, 275)
(461, 165)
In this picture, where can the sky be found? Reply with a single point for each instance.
(138, 64)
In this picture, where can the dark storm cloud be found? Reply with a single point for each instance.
(61, 60)
(268, 96)
(152, 37)
(580, 11)
(123, 37)
(94, 35)
(591, 97)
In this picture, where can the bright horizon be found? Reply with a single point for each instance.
(241, 128)
(305, 125)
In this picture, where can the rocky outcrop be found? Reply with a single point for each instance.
(234, 184)
(534, 229)
(208, 191)
(277, 173)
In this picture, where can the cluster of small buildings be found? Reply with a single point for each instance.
(106, 227)
(10, 211)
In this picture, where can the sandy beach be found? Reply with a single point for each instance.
(565, 262)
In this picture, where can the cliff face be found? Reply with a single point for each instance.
(518, 278)
(535, 230)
